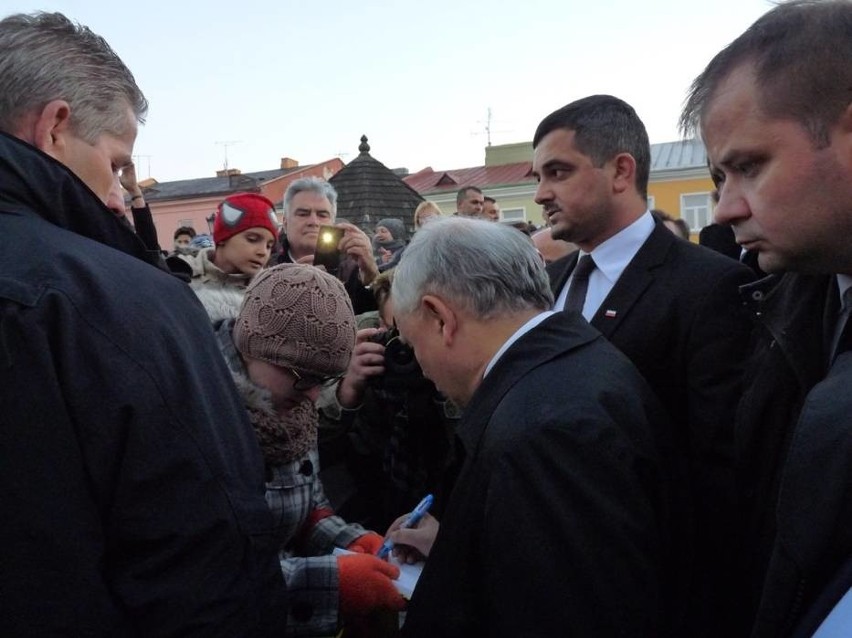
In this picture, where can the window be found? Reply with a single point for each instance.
(697, 210)
(513, 214)
(651, 202)
(185, 222)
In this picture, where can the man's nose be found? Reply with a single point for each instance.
(115, 199)
(731, 206)
(541, 195)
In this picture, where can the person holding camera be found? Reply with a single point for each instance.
(310, 203)
(389, 433)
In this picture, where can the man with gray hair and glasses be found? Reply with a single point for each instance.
(775, 111)
(131, 482)
(560, 519)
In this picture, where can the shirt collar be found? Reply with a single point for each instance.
(612, 256)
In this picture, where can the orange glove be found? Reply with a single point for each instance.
(369, 543)
(365, 585)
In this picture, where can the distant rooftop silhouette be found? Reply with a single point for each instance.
(369, 191)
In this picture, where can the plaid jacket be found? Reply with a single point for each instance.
(308, 531)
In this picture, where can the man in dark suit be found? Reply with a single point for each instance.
(559, 521)
(672, 307)
(775, 112)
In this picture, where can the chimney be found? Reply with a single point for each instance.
(227, 172)
(287, 162)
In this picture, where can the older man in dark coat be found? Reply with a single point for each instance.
(561, 519)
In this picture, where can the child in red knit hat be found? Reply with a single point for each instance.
(244, 231)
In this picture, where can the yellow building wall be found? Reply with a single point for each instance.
(666, 193)
(508, 153)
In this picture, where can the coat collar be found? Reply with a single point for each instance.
(31, 181)
(796, 310)
(553, 337)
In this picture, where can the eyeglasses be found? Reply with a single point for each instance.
(305, 382)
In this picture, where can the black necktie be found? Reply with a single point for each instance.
(579, 284)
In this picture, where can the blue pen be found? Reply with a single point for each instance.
(412, 520)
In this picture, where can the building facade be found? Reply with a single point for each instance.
(679, 183)
(192, 202)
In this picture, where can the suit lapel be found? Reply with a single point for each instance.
(634, 281)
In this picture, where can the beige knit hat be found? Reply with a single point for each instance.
(297, 316)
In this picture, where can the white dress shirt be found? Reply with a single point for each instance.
(611, 258)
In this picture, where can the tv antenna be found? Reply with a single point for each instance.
(487, 130)
(225, 145)
(136, 159)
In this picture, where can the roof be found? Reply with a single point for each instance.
(678, 155)
(209, 186)
(430, 181)
(368, 191)
(684, 154)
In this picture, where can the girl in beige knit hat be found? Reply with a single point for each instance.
(295, 332)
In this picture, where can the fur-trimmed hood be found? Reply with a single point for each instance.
(220, 293)
(283, 438)
(252, 394)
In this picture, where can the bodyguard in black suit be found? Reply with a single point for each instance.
(672, 307)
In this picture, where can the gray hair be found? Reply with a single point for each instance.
(801, 54)
(45, 57)
(311, 185)
(490, 269)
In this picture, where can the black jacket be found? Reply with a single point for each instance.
(676, 313)
(131, 483)
(560, 521)
(794, 442)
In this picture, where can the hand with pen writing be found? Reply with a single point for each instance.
(413, 544)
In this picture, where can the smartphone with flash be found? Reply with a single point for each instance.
(326, 253)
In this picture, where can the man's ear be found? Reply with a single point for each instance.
(624, 172)
(442, 317)
(51, 129)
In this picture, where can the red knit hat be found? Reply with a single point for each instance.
(242, 211)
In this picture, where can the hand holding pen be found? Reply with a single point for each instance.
(406, 523)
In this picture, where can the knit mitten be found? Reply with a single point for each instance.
(365, 585)
(369, 543)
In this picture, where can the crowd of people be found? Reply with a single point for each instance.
(623, 432)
